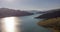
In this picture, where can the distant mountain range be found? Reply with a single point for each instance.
(37, 12)
(5, 12)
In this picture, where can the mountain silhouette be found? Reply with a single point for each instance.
(5, 12)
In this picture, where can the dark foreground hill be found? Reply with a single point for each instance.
(5, 12)
(52, 14)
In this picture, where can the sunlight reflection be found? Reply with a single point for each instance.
(9, 24)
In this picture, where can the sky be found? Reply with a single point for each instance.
(30, 4)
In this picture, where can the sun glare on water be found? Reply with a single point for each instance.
(9, 24)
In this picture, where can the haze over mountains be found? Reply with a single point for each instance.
(5, 12)
(37, 11)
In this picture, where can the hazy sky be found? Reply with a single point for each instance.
(30, 4)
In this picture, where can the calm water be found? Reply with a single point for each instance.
(29, 24)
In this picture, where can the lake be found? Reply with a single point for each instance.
(29, 24)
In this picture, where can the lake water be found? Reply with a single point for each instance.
(29, 24)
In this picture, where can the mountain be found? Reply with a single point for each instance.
(51, 14)
(33, 11)
(37, 12)
(41, 12)
(5, 12)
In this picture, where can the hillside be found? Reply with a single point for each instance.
(5, 12)
(51, 14)
(53, 24)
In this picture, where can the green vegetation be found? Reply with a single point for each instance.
(52, 23)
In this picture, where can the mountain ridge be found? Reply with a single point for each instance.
(5, 12)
